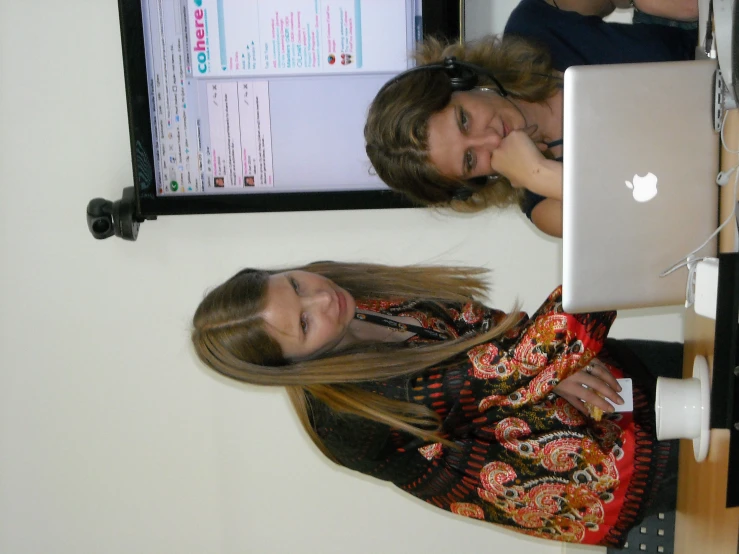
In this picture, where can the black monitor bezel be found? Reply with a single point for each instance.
(725, 379)
(441, 18)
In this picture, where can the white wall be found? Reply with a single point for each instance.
(112, 438)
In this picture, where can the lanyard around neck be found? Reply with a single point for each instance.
(383, 321)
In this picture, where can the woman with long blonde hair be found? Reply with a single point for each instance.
(401, 373)
(497, 141)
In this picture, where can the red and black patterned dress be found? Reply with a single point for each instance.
(526, 459)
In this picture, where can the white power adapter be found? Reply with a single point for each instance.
(706, 287)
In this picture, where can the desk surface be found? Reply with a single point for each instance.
(703, 523)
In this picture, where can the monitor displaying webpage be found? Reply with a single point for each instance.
(269, 95)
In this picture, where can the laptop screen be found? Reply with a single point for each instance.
(266, 96)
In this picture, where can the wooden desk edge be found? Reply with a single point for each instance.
(703, 523)
(726, 204)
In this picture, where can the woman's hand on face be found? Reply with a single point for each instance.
(518, 156)
(585, 385)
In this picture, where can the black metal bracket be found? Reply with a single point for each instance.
(119, 218)
(725, 388)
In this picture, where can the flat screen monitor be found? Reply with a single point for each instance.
(241, 106)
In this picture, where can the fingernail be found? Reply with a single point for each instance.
(620, 401)
(619, 389)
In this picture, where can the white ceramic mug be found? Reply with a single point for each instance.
(677, 408)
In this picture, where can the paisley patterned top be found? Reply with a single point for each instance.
(524, 458)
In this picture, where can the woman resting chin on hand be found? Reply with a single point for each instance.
(455, 144)
(521, 161)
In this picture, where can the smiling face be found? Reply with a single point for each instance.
(463, 136)
(307, 314)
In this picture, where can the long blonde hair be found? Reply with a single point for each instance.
(229, 336)
(396, 132)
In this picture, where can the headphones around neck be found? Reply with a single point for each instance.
(463, 76)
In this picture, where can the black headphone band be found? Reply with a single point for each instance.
(476, 184)
(462, 75)
(463, 193)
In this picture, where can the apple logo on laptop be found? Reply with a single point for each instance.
(644, 188)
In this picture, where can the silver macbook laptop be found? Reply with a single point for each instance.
(640, 162)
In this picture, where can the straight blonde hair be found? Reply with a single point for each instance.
(229, 336)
